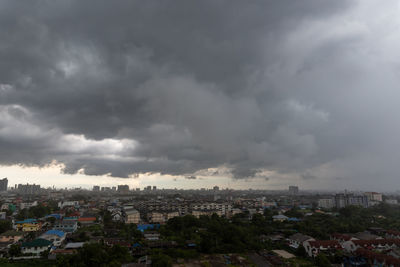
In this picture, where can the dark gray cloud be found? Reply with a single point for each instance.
(178, 87)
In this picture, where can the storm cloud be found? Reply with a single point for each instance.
(307, 88)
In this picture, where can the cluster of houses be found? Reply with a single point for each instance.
(377, 247)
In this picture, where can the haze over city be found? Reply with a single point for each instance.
(192, 94)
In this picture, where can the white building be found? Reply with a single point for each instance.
(36, 246)
(63, 204)
(132, 216)
(326, 203)
(55, 236)
(27, 205)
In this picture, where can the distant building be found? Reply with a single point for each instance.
(374, 197)
(96, 188)
(28, 189)
(344, 200)
(3, 184)
(132, 216)
(154, 188)
(216, 188)
(293, 190)
(391, 201)
(63, 204)
(123, 188)
(326, 203)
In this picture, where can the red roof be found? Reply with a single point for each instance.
(382, 258)
(376, 242)
(393, 232)
(87, 219)
(325, 243)
(343, 237)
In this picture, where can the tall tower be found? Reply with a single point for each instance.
(3, 184)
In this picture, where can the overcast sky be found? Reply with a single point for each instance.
(261, 94)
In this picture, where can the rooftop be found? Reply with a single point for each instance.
(39, 242)
(55, 232)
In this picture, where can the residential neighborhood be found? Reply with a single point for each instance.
(220, 227)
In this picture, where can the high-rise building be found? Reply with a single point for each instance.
(3, 184)
(293, 190)
(216, 188)
(326, 203)
(96, 188)
(29, 189)
(123, 188)
(154, 188)
(344, 200)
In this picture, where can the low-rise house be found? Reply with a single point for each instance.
(314, 247)
(151, 235)
(55, 216)
(156, 217)
(3, 215)
(11, 236)
(28, 225)
(198, 213)
(117, 215)
(27, 205)
(36, 246)
(366, 236)
(377, 244)
(392, 234)
(87, 220)
(63, 204)
(116, 241)
(342, 238)
(74, 245)
(132, 216)
(298, 239)
(171, 214)
(56, 236)
(280, 218)
(378, 259)
(68, 226)
(54, 253)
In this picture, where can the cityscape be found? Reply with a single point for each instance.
(190, 227)
(208, 133)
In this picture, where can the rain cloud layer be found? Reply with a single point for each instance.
(306, 89)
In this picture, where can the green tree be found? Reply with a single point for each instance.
(322, 261)
(161, 260)
(15, 250)
(301, 251)
(5, 225)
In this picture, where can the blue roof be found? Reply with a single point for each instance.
(27, 221)
(136, 245)
(55, 232)
(55, 215)
(70, 218)
(294, 219)
(142, 227)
